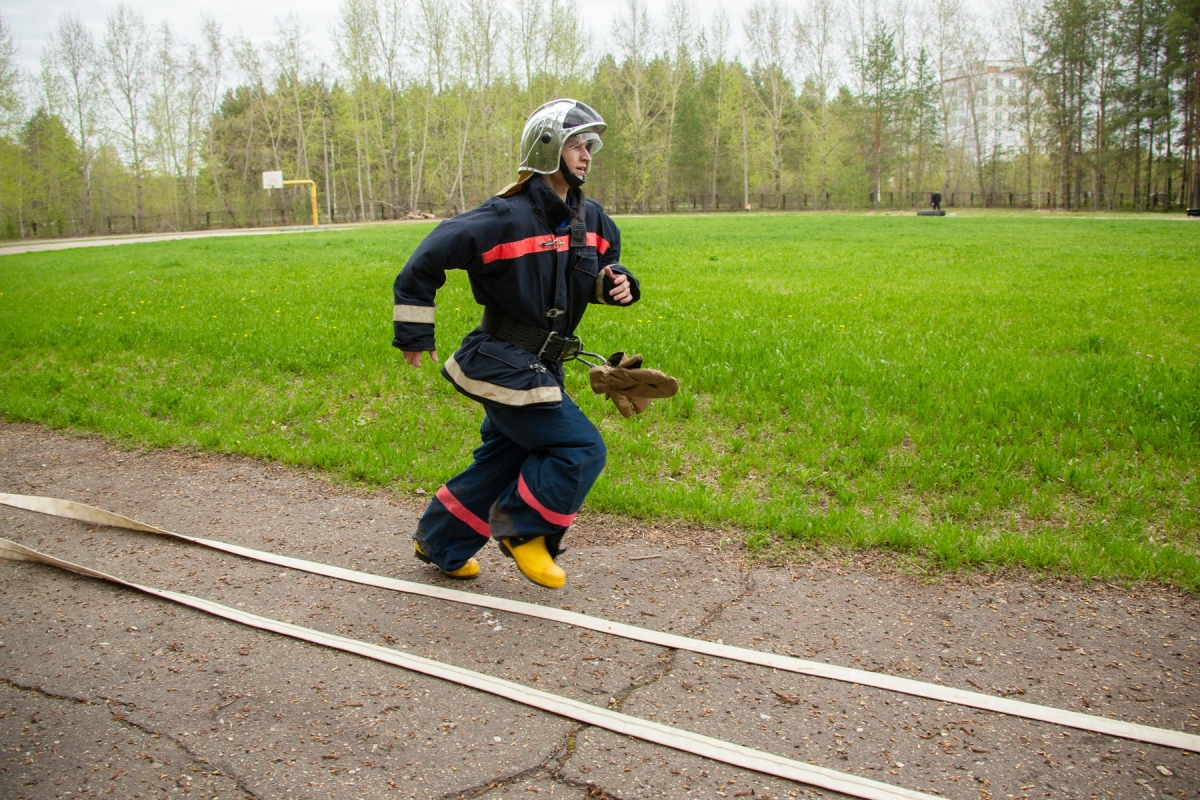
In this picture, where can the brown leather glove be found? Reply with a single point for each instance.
(628, 385)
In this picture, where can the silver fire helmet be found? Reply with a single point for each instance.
(549, 127)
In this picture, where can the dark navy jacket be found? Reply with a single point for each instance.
(521, 260)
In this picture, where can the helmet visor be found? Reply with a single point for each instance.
(588, 139)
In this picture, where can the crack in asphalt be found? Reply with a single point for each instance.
(84, 701)
(553, 765)
(498, 783)
(109, 703)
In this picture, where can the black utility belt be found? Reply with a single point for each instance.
(546, 345)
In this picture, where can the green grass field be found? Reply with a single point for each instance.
(978, 390)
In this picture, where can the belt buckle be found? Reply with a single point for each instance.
(557, 347)
(552, 340)
(571, 346)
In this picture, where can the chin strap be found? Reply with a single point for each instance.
(573, 180)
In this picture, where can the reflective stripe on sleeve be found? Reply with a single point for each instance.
(500, 394)
(599, 242)
(413, 314)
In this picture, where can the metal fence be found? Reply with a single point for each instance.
(1116, 201)
(722, 203)
(887, 200)
(125, 224)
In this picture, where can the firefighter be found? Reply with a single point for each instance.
(536, 255)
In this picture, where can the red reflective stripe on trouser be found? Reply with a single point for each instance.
(462, 512)
(553, 517)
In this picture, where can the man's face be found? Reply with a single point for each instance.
(577, 153)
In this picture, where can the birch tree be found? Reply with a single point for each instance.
(11, 162)
(715, 54)
(10, 80)
(126, 53)
(213, 55)
(478, 47)
(944, 43)
(433, 51)
(1016, 38)
(568, 46)
(639, 99)
(973, 78)
(263, 103)
(387, 27)
(532, 51)
(166, 117)
(551, 50)
(771, 45)
(678, 60)
(815, 29)
(71, 72)
(288, 51)
(352, 45)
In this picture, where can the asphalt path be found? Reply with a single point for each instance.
(107, 692)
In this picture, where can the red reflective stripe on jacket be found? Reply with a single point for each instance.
(553, 517)
(462, 512)
(536, 244)
(524, 247)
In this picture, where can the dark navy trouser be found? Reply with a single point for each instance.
(529, 478)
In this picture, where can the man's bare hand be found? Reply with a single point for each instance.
(622, 291)
(413, 357)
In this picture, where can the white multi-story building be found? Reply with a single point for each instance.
(987, 97)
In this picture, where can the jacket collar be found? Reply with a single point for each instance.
(547, 201)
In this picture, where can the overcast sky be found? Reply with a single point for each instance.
(31, 21)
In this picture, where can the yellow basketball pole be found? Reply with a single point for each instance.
(312, 188)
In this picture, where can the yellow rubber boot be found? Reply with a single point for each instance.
(534, 561)
(466, 572)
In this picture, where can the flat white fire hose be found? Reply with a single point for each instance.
(930, 691)
(665, 735)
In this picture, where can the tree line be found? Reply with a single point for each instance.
(1073, 104)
